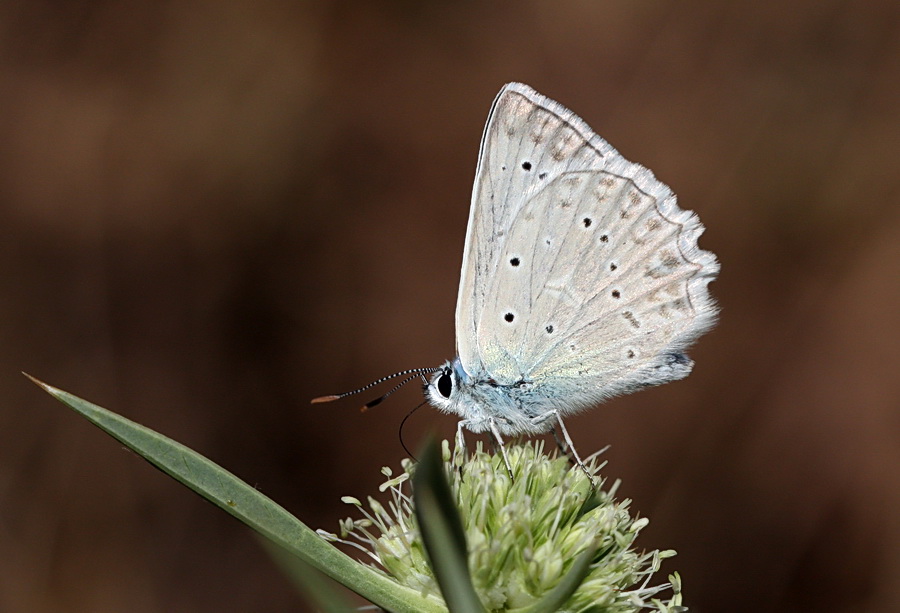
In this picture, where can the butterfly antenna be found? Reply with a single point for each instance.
(400, 430)
(414, 371)
(379, 400)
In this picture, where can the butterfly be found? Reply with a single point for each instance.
(581, 277)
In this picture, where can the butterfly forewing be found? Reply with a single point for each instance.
(527, 142)
(580, 272)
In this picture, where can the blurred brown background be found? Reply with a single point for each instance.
(211, 212)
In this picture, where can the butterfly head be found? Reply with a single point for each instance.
(442, 390)
(481, 401)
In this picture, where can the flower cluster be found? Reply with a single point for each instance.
(523, 533)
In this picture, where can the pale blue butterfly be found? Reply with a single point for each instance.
(581, 277)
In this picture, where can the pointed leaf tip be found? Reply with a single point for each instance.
(39, 383)
(442, 532)
(33, 380)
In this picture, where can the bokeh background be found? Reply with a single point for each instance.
(211, 212)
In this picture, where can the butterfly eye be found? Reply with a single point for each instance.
(445, 385)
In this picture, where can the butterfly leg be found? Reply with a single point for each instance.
(565, 445)
(561, 445)
(460, 439)
(459, 449)
(495, 434)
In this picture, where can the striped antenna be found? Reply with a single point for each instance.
(415, 372)
(377, 401)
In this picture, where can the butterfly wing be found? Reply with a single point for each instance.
(580, 273)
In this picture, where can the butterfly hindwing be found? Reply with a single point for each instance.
(580, 272)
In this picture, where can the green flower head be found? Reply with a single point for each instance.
(523, 533)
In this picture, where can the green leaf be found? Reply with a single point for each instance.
(319, 590)
(250, 506)
(442, 533)
(560, 594)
